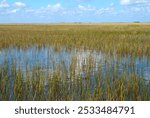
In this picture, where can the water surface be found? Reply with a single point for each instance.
(74, 62)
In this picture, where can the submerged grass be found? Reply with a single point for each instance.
(35, 87)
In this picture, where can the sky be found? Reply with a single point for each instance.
(30, 11)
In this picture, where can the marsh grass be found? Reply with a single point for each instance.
(36, 87)
(127, 38)
(66, 83)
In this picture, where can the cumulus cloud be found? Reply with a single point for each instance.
(55, 7)
(50, 9)
(97, 11)
(11, 8)
(79, 11)
(4, 4)
(19, 4)
(136, 6)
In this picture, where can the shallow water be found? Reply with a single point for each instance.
(74, 62)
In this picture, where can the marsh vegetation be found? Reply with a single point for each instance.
(75, 61)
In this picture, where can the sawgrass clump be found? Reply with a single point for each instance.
(36, 87)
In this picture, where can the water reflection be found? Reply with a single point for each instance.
(74, 62)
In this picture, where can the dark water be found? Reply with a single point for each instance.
(77, 62)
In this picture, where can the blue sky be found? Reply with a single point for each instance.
(74, 10)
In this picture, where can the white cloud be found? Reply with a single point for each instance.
(12, 11)
(96, 11)
(125, 2)
(57, 10)
(105, 10)
(11, 8)
(55, 7)
(136, 6)
(48, 11)
(19, 4)
(4, 4)
(86, 8)
(130, 2)
(50, 8)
